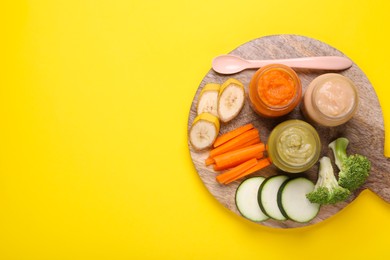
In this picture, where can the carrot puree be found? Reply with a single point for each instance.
(276, 88)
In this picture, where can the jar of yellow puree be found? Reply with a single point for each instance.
(294, 146)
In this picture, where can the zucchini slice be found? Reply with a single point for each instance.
(293, 202)
(268, 196)
(246, 199)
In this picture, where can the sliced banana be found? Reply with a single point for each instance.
(231, 99)
(204, 130)
(208, 99)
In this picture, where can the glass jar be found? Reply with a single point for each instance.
(274, 90)
(330, 100)
(294, 146)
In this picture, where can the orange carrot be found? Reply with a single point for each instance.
(230, 135)
(235, 142)
(251, 142)
(235, 157)
(236, 170)
(216, 168)
(260, 165)
(209, 161)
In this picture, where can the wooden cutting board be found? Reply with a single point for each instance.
(365, 131)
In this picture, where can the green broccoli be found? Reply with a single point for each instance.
(327, 190)
(354, 169)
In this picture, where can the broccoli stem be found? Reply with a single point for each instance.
(339, 147)
(326, 176)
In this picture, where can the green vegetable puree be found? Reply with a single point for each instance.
(296, 146)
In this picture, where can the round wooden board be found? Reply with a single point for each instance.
(365, 131)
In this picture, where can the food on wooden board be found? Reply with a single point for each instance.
(262, 163)
(204, 130)
(327, 190)
(246, 199)
(354, 169)
(330, 100)
(237, 142)
(268, 196)
(243, 170)
(239, 154)
(234, 171)
(232, 134)
(292, 200)
(294, 146)
(231, 99)
(208, 99)
(278, 197)
(274, 90)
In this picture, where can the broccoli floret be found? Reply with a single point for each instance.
(327, 190)
(354, 169)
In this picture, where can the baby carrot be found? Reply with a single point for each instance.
(236, 170)
(209, 161)
(235, 142)
(235, 157)
(259, 165)
(221, 168)
(230, 135)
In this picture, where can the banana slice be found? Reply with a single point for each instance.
(208, 99)
(231, 99)
(204, 130)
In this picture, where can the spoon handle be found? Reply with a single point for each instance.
(320, 62)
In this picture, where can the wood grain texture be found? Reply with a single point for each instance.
(365, 130)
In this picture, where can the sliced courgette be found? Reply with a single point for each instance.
(268, 196)
(246, 199)
(292, 200)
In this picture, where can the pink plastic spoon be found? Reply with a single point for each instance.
(230, 64)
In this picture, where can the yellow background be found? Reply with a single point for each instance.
(94, 102)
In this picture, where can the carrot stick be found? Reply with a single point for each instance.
(236, 170)
(216, 168)
(235, 157)
(209, 161)
(230, 135)
(235, 142)
(260, 165)
(251, 142)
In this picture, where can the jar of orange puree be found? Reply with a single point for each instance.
(274, 90)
